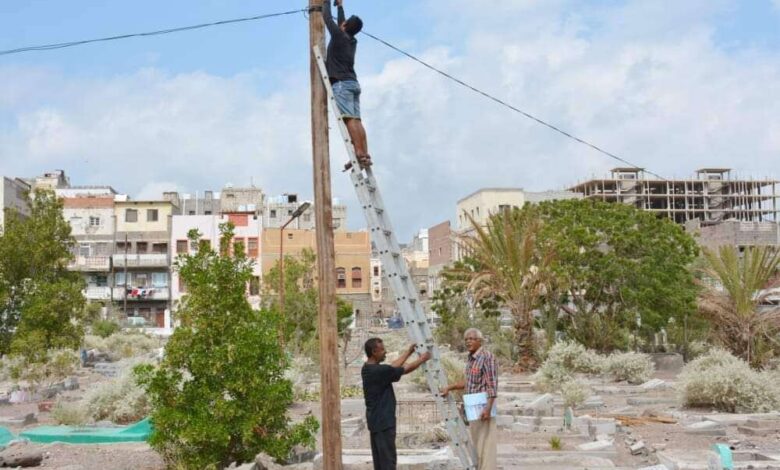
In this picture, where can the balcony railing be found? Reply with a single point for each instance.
(141, 293)
(90, 263)
(151, 260)
(97, 293)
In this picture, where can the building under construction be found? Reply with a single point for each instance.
(722, 209)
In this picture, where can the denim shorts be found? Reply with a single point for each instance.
(347, 94)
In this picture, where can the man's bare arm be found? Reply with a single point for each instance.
(403, 357)
(411, 367)
(327, 17)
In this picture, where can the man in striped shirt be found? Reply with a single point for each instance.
(481, 376)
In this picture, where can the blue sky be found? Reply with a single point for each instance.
(668, 85)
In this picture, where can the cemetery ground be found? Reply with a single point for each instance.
(618, 426)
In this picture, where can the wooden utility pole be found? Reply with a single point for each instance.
(330, 391)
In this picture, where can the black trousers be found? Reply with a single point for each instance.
(383, 449)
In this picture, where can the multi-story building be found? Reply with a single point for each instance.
(142, 259)
(353, 260)
(14, 194)
(208, 204)
(51, 181)
(712, 203)
(247, 234)
(279, 209)
(243, 200)
(441, 248)
(92, 222)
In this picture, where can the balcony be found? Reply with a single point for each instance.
(150, 260)
(141, 293)
(90, 263)
(97, 293)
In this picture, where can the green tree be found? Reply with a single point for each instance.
(613, 263)
(510, 267)
(41, 302)
(219, 395)
(301, 303)
(735, 286)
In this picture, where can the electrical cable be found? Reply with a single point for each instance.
(507, 105)
(62, 45)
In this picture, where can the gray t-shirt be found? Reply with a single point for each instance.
(341, 48)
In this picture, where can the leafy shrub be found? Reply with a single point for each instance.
(219, 394)
(70, 414)
(123, 345)
(555, 443)
(727, 383)
(565, 359)
(121, 401)
(104, 328)
(634, 368)
(58, 365)
(574, 393)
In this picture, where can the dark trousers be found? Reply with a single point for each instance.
(383, 449)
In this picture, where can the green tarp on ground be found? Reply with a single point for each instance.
(6, 436)
(137, 432)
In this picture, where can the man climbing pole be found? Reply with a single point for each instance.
(340, 64)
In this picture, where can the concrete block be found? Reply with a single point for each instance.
(596, 445)
(706, 428)
(523, 428)
(769, 424)
(654, 384)
(644, 401)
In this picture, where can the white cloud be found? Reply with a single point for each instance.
(645, 82)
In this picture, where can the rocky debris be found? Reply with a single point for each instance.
(25, 420)
(107, 369)
(655, 384)
(638, 448)
(71, 383)
(596, 445)
(645, 401)
(20, 456)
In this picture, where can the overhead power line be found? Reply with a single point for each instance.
(507, 105)
(62, 45)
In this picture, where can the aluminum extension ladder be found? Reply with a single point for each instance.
(417, 324)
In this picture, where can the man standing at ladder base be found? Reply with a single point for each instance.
(341, 70)
(481, 377)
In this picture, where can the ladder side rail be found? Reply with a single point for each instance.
(409, 306)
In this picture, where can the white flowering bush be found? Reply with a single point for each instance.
(565, 359)
(121, 400)
(454, 368)
(727, 383)
(70, 414)
(123, 345)
(634, 368)
(574, 393)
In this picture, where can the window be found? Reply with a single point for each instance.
(289, 212)
(307, 217)
(100, 280)
(141, 247)
(152, 215)
(141, 280)
(181, 246)
(341, 278)
(252, 247)
(160, 248)
(207, 213)
(84, 249)
(191, 213)
(94, 221)
(289, 236)
(119, 279)
(120, 246)
(504, 207)
(273, 213)
(357, 277)
(159, 280)
(131, 215)
(376, 271)
(254, 285)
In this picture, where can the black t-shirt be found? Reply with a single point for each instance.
(342, 47)
(378, 392)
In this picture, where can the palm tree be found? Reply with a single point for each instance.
(511, 267)
(732, 301)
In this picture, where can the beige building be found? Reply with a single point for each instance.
(13, 195)
(142, 260)
(353, 260)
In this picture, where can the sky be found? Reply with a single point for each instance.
(669, 86)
